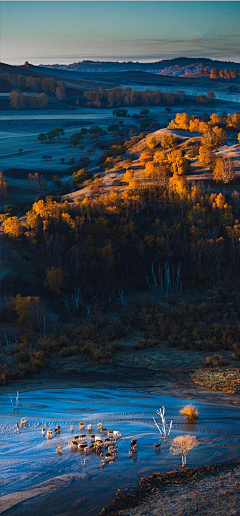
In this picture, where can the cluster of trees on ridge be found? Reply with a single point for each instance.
(128, 97)
(215, 73)
(179, 235)
(20, 101)
(44, 87)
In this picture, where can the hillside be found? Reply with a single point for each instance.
(177, 66)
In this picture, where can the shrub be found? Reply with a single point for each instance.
(81, 175)
(190, 412)
(68, 351)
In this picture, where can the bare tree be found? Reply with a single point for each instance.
(182, 445)
(15, 407)
(162, 426)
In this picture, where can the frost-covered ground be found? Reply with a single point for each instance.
(36, 480)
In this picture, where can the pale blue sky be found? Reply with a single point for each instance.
(54, 32)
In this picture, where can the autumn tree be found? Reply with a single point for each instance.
(182, 445)
(12, 227)
(29, 310)
(128, 175)
(201, 99)
(3, 186)
(151, 142)
(21, 81)
(145, 157)
(181, 121)
(214, 73)
(54, 279)
(43, 101)
(177, 184)
(168, 141)
(233, 121)
(61, 90)
(178, 163)
(81, 175)
(159, 157)
(205, 155)
(223, 170)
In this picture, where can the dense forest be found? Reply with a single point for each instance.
(157, 258)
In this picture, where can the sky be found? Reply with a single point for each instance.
(50, 32)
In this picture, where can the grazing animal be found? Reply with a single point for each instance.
(117, 434)
(98, 440)
(82, 446)
(74, 445)
(82, 437)
(114, 451)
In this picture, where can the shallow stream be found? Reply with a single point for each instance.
(36, 480)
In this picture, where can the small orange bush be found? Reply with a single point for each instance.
(190, 412)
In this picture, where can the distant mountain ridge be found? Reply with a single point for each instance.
(176, 67)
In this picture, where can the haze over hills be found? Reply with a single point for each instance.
(176, 67)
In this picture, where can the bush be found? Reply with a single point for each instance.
(81, 175)
(68, 351)
(190, 412)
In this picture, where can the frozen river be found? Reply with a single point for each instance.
(36, 480)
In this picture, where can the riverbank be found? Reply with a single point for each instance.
(36, 480)
(206, 491)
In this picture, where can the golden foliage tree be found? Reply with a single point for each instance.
(3, 186)
(159, 157)
(205, 155)
(223, 170)
(152, 142)
(29, 310)
(54, 279)
(12, 227)
(182, 445)
(168, 141)
(128, 175)
(178, 163)
(145, 157)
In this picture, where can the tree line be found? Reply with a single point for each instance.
(128, 97)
